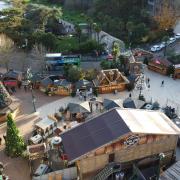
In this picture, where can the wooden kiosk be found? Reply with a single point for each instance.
(109, 81)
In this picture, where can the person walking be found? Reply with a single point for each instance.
(162, 83)
(148, 80)
(130, 95)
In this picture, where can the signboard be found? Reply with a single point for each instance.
(131, 140)
(10, 83)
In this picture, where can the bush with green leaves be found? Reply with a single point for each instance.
(14, 143)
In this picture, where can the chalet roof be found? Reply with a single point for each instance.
(172, 173)
(133, 103)
(46, 82)
(79, 108)
(110, 126)
(160, 61)
(37, 148)
(110, 77)
(83, 83)
(12, 74)
(110, 104)
(62, 82)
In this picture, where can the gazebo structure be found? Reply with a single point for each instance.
(79, 111)
(109, 81)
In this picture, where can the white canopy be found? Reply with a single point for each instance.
(45, 123)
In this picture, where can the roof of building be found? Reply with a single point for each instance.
(160, 61)
(110, 77)
(133, 103)
(110, 126)
(172, 173)
(37, 148)
(45, 123)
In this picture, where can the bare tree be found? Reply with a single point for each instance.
(39, 52)
(6, 50)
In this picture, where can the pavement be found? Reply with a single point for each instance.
(45, 105)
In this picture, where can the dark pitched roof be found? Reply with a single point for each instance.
(93, 134)
(133, 103)
(46, 82)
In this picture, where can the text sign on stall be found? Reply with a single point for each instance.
(131, 140)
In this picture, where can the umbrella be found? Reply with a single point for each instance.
(109, 103)
(79, 108)
(56, 140)
(133, 103)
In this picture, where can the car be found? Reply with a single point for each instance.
(172, 40)
(177, 36)
(155, 48)
(162, 45)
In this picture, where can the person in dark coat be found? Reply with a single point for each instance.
(162, 83)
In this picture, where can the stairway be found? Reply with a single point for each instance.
(106, 172)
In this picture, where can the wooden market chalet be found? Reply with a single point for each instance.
(159, 65)
(120, 136)
(109, 81)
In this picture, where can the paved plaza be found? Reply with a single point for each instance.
(169, 94)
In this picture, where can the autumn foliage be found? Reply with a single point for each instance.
(166, 17)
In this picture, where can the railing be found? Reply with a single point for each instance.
(107, 171)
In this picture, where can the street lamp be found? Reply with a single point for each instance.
(33, 99)
(161, 156)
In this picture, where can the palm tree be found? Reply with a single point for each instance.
(97, 29)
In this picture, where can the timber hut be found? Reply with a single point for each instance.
(177, 71)
(53, 85)
(159, 65)
(12, 78)
(109, 81)
(122, 137)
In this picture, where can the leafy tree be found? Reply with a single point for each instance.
(90, 74)
(39, 14)
(115, 50)
(97, 29)
(74, 74)
(14, 142)
(48, 40)
(105, 64)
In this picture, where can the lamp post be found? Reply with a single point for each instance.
(161, 156)
(33, 100)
